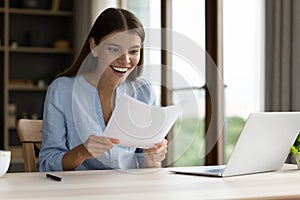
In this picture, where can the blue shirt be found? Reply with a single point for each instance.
(72, 112)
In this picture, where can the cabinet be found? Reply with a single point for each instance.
(37, 39)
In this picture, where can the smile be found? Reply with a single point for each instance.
(120, 69)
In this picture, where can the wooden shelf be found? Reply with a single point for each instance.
(15, 87)
(30, 51)
(22, 11)
(42, 50)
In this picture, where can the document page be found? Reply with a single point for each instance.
(139, 125)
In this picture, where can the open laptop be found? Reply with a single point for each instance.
(263, 146)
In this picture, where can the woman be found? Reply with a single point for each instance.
(79, 103)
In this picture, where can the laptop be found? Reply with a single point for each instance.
(262, 146)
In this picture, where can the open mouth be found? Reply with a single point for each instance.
(122, 70)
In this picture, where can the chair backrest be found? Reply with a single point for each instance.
(30, 133)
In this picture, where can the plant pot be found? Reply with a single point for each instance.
(297, 159)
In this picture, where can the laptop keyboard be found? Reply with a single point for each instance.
(216, 170)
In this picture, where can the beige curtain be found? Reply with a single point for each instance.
(282, 55)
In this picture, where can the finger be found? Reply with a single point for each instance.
(114, 140)
(97, 142)
(161, 151)
(157, 147)
(95, 153)
(160, 158)
(98, 150)
(108, 140)
(156, 153)
(156, 158)
(152, 149)
(164, 142)
(105, 140)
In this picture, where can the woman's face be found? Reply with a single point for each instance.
(118, 54)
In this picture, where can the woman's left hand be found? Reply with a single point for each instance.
(154, 156)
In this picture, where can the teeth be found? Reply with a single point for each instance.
(120, 69)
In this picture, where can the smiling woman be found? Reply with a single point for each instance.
(120, 51)
(80, 102)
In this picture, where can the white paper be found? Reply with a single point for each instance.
(139, 125)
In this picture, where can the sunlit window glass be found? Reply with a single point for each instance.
(243, 63)
(188, 76)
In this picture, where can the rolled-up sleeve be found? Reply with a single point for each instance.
(54, 144)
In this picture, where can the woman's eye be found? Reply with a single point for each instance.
(134, 51)
(113, 49)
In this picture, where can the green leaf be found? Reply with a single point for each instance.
(296, 144)
(294, 150)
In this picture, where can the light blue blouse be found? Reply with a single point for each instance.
(72, 112)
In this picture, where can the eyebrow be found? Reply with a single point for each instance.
(113, 44)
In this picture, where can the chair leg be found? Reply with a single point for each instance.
(29, 159)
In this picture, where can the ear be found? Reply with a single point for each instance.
(93, 47)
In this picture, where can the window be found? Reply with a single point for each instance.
(188, 79)
(243, 63)
(149, 14)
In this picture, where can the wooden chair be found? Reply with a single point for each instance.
(30, 133)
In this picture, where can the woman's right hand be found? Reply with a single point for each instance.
(92, 148)
(97, 145)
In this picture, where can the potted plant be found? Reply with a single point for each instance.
(295, 149)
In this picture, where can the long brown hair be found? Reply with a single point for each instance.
(109, 21)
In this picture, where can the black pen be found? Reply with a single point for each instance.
(56, 178)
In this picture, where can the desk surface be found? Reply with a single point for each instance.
(151, 184)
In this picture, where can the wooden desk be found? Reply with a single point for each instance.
(151, 184)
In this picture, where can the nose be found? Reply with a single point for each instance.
(125, 58)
